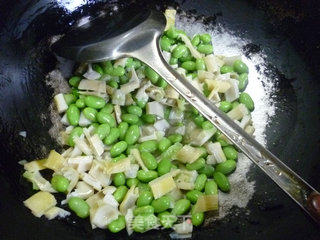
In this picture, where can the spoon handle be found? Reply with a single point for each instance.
(298, 189)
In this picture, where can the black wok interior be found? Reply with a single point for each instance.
(287, 31)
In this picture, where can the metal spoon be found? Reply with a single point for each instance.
(136, 34)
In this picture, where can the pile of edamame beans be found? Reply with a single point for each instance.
(120, 138)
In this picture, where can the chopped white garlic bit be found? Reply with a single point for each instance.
(61, 103)
(56, 212)
(155, 108)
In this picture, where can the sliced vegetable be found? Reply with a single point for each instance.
(40, 203)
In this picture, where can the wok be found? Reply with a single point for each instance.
(286, 31)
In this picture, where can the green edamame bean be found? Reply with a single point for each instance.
(152, 75)
(200, 65)
(181, 207)
(200, 182)
(198, 120)
(144, 187)
(145, 198)
(73, 115)
(148, 146)
(205, 48)
(59, 183)
(102, 130)
(90, 114)
(137, 64)
(129, 62)
(133, 109)
(132, 182)
(243, 81)
(173, 61)
(117, 225)
(79, 206)
(123, 79)
(175, 138)
(226, 69)
(74, 81)
(145, 210)
(149, 118)
(246, 100)
(196, 165)
(164, 166)
(118, 71)
(167, 219)
(96, 67)
(240, 67)
(222, 181)
(113, 84)
(107, 67)
(75, 92)
(141, 104)
(149, 160)
(104, 117)
(142, 223)
(186, 57)
(226, 167)
(119, 179)
(164, 144)
(146, 176)
(197, 218)
(195, 40)
(132, 134)
(194, 111)
(123, 127)
(179, 51)
(118, 148)
(223, 143)
(69, 98)
(112, 137)
(161, 204)
(189, 65)
(207, 125)
(230, 152)
(120, 193)
(193, 75)
(165, 44)
(121, 156)
(235, 104)
(225, 106)
(76, 132)
(218, 135)
(108, 108)
(211, 187)
(172, 33)
(130, 118)
(207, 170)
(172, 41)
(95, 102)
(205, 38)
(193, 195)
(162, 83)
(80, 103)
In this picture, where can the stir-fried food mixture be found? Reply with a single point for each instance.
(136, 155)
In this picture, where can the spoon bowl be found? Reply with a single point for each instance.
(108, 37)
